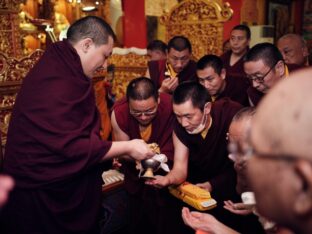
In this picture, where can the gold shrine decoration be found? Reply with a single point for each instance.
(12, 72)
(201, 21)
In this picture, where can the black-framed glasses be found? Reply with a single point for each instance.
(150, 112)
(260, 78)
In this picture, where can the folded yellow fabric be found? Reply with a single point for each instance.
(193, 195)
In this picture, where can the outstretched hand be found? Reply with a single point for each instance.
(237, 208)
(158, 181)
(204, 222)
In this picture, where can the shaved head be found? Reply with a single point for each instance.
(283, 122)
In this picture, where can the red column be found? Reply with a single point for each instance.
(134, 23)
(236, 6)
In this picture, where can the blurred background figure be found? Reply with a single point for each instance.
(157, 50)
(294, 49)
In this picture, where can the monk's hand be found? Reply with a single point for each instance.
(139, 150)
(158, 181)
(6, 185)
(206, 185)
(237, 208)
(168, 85)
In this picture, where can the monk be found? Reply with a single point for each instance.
(280, 166)
(54, 150)
(147, 115)
(264, 67)
(294, 49)
(199, 138)
(213, 76)
(179, 67)
(233, 60)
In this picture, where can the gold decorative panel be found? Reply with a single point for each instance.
(126, 67)
(201, 21)
(12, 72)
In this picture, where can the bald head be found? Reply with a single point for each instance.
(282, 124)
(294, 49)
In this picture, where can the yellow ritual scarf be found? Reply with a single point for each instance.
(146, 133)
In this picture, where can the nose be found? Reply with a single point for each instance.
(255, 84)
(104, 65)
(179, 63)
(143, 117)
(184, 122)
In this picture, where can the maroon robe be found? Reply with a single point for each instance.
(157, 72)
(151, 209)
(54, 148)
(237, 69)
(236, 90)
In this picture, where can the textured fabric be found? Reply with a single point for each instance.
(236, 90)
(157, 72)
(54, 148)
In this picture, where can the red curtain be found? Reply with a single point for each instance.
(134, 23)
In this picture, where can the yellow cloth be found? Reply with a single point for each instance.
(146, 133)
(286, 71)
(100, 98)
(172, 73)
(204, 133)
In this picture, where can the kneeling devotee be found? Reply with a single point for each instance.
(199, 137)
(54, 149)
(147, 115)
(280, 167)
(212, 75)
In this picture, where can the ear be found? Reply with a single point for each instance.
(223, 73)
(158, 100)
(305, 51)
(207, 108)
(280, 68)
(85, 44)
(303, 204)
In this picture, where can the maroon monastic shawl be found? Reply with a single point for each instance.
(236, 90)
(237, 70)
(53, 148)
(157, 72)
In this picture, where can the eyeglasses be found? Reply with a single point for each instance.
(236, 149)
(150, 112)
(260, 78)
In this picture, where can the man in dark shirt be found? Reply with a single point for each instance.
(233, 60)
(213, 76)
(200, 147)
(54, 149)
(178, 67)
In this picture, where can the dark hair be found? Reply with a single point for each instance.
(266, 52)
(179, 43)
(90, 27)
(141, 88)
(244, 112)
(244, 28)
(191, 90)
(157, 45)
(210, 60)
